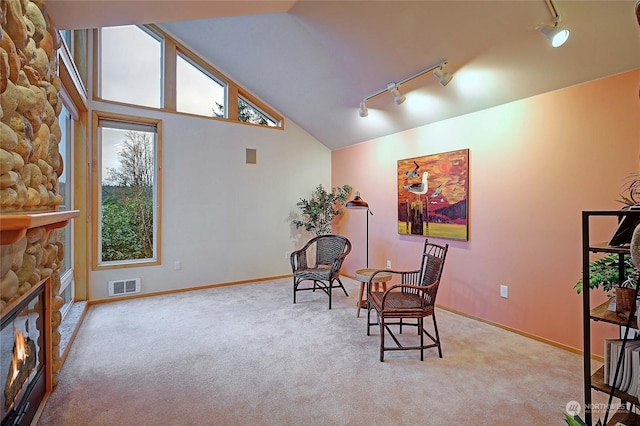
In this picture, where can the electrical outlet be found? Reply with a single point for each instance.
(388, 264)
(504, 291)
(177, 265)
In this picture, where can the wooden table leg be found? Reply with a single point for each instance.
(363, 303)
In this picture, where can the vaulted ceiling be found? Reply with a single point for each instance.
(314, 61)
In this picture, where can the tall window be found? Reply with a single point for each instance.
(128, 181)
(131, 65)
(65, 188)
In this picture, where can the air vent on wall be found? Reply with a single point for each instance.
(128, 286)
(251, 156)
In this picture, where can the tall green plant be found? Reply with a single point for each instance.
(318, 212)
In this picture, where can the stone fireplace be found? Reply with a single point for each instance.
(30, 164)
(29, 309)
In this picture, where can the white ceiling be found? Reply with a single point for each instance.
(314, 61)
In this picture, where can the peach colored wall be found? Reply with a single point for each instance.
(535, 164)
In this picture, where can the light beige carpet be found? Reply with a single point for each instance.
(246, 355)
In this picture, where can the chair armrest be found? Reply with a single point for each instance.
(405, 276)
(298, 259)
(337, 264)
(425, 299)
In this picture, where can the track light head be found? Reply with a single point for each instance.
(557, 35)
(364, 111)
(397, 96)
(443, 77)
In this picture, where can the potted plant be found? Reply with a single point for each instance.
(604, 273)
(318, 212)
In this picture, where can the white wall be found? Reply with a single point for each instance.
(225, 220)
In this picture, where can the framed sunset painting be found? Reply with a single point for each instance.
(433, 195)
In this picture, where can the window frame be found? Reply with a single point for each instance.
(96, 202)
(72, 70)
(67, 281)
(171, 48)
(70, 76)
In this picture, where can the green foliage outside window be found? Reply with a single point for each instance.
(127, 202)
(247, 114)
(127, 227)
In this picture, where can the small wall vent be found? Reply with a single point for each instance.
(251, 156)
(128, 286)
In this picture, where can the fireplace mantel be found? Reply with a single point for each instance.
(13, 226)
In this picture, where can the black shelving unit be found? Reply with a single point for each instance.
(601, 313)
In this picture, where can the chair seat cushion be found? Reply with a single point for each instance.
(313, 273)
(397, 301)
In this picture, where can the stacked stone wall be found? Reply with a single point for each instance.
(30, 161)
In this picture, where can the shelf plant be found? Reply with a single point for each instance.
(318, 212)
(604, 273)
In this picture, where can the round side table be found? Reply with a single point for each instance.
(363, 276)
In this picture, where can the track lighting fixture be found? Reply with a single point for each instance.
(363, 109)
(443, 77)
(556, 34)
(394, 88)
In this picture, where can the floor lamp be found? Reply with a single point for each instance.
(359, 203)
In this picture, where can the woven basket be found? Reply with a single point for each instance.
(625, 299)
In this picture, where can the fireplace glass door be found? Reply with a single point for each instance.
(21, 354)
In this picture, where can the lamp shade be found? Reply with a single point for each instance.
(357, 203)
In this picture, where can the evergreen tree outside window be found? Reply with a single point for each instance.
(249, 113)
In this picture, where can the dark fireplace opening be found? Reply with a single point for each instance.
(22, 357)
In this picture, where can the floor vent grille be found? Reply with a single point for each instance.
(128, 286)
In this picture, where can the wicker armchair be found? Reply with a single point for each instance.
(320, 261)
(414, 297)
